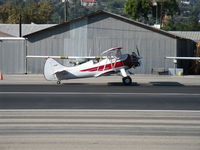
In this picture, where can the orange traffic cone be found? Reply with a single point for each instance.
(1, 76)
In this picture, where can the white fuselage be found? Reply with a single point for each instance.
(92, 68)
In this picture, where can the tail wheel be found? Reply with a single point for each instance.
(127, 80)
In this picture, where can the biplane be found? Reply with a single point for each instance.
(112, 61)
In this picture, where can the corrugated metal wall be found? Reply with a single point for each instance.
(68, 40)
(12, 55)
(93, 35)
(76, 43)
(49, 43)
(105, 32)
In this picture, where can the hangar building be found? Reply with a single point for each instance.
(96, 32)
(99, 31)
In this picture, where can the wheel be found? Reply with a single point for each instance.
(58, 82)
(127, 80)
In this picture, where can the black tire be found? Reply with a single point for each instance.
(127, 80)
(58, 82)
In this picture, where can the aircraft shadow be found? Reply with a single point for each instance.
(121, 84)
(75, 84)
(133, 84)
(166, 84)
(147, 84)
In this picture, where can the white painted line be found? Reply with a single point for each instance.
(100, 93)
(95, 110)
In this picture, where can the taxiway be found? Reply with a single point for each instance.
(99, 97)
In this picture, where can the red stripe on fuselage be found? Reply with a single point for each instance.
(105, 67)
(110, 66)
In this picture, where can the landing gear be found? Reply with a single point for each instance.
(127, 80)
(58, 82)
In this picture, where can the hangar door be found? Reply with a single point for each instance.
(12, 55)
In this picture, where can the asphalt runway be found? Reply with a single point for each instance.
(114, 117)
(82, 96)
(99, 129)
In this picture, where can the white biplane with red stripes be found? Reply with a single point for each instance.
(90, 66)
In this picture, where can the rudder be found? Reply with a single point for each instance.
(50, 68)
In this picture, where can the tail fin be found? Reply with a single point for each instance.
(50, 68)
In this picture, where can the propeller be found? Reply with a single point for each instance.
(138, 61)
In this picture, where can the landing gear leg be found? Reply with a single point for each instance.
(127, 80)
(58, 82)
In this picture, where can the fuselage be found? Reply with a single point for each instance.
(94, 68)
(91, 66)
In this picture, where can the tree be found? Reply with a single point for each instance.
(168, 8)
(195, 12)
(75, 10)
(2, 2)
(9, 13)
(188, 21)
(181, 25)
(115, 6)
(131, 9)
(38, 13)
(138, 9)
(141, 9)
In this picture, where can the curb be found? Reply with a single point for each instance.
(138, 80)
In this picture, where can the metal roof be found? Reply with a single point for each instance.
(114, 16)
(193, 35)
(2, 34)
(13, 29)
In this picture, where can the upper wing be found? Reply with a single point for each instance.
(107, 52)
(66, 57)
(117, 49)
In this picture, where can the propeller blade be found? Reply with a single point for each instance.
(131, 70)
(141, 61)
(137, 50)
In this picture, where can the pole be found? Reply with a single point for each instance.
(26, 53)
(20, 24)
(155, 4)
(175, 66)
(65, 10)
(161, 13)
(156, 14)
